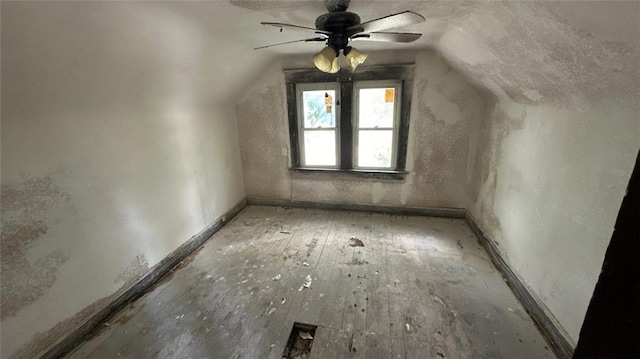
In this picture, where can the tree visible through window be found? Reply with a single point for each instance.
(350, 122)
(318, 130)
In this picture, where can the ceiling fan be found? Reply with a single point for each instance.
(338, 27)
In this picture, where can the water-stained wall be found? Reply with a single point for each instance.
(114, 152)
(560, 140)
(445, 114)
(550, 183)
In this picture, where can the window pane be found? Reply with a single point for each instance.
(374, 148)
(376, 107)
(320, 148)
(315, 109)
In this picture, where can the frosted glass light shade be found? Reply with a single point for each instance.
(326, 60)
(355, 58)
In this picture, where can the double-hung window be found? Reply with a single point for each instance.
(318, 125)
(354, 124)
(376, 123)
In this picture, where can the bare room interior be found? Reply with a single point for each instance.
(453, 183)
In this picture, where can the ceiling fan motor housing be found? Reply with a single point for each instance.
(336, 5)
(336, 24)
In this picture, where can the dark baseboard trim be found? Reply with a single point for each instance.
(550, 329)
(73, 339)
(556, 337)
(411, 211)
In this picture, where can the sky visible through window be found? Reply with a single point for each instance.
(376, 109)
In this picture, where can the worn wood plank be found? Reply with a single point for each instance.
(396, 298)
(308, 232)
(354, 320)
(323, 267)
(428, 273)
(333, 308)
(378, 339)
(327, 343)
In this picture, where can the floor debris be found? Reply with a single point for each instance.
(306, 284)
(285, 229)
(355, 242)
(305, 335)
(305, 264)
(276, 277)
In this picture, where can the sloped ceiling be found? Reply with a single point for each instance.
(520, 51)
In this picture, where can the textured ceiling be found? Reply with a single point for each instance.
(521, 51)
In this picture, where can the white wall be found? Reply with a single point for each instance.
(559, 144)
(445, 114)
(549, 189)
(115, 151)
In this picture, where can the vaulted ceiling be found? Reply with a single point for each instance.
(521, 51)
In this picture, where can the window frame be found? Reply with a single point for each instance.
(358, 85)
(300, 88)
(346, 128)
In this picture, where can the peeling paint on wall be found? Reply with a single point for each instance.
(114, 101)
(262, 115)
(508, 118)
(26, 215)
(549, 181)
(134, 270)
(39, 341)
(445, 110)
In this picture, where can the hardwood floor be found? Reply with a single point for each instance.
(419, 288)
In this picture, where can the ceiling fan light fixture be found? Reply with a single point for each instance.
(354, 57)
(335, 65)
(327, 60)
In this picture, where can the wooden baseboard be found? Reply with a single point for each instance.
(69, 342)
(557, 338)
(411, 211)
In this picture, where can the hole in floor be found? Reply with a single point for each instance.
(300, 341)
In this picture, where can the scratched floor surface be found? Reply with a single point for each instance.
(419, 288)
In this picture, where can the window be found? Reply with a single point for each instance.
(318, 124)
(354, 124)
(376, 116)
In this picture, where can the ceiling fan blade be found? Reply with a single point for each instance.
(388, 22)
(291, 42)
(387, 36)
(295, 27)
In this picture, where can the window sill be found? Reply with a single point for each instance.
(341, 174)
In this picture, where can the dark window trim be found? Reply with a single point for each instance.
(403, 73)
(346, 174)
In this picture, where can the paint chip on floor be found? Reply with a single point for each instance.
(355, 242)
(306, 284)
